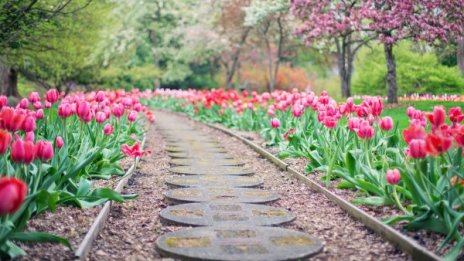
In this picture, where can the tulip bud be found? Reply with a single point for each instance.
(24, 103)
(12, 192)
(386, 123)
(22, 151)
(59, 142)
(108, 129)
(275, 123)
(100, 96)
(48, 105)
(40, 114)
(393, 176)
(132, 116)
(30, 136)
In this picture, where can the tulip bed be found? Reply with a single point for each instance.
(418, 170)
(53, 148)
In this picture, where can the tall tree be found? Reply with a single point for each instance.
(336, 22)
(426, 20)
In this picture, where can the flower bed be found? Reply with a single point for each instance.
(418, 170)
(53, 150)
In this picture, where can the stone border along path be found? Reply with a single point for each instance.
(232, 230)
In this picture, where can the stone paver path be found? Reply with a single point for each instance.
(220, 191)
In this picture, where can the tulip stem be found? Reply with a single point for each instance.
(398, 202)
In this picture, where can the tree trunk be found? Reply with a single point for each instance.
(345, 65)
(392, 85)
(235, 59)
(8, 81)
(460, 54)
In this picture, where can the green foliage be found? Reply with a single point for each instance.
(140, 76)
(416, 72)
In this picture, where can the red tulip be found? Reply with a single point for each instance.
(44, 150)
(393, 176)
(5, 140)
(108, 129)
(455, 115)
(275, 123)
(59, 142)
(134, 151)
(417, 149)
(437, 144)
(52, 96)
(459, 136)
(330, 122)
(413, 132)
(437, 117)
(12, 192)
(386, 123)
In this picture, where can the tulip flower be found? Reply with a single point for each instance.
(39, 114)
(24, 103)
(365, 130)
(52, 96)
(437, 144)
(44, 150)
(34, 97)
(59, 142)
(22, 151)
(413, 132)
(65, 110)
(386, 123)
(118, 110)
(393, 176)
(5, 140)
(417, 149)
(455, 115)
(437, 117)
(30, 136)
(108, 129)
(3, 101)
(28, 124)
(82, 109)
(132, 116)
(100, 96)
(134, 151)
(275, 123)
(12, 192)
(100, 117)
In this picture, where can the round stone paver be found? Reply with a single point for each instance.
(214, 181)
(238, 243)
(199, 155)
(195, 149)
(220, 195)
(218, 214)
(211, 170)
(205, 162)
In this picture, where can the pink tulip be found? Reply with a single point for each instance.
(132, 116)
(100, 96)
(275, 123)
(22, 151)
(100, 117)
(59, 142)
(40, 114)
(108, 129)
(82, 109)
(386, 123)
(28, 124)
(393, 176)
(3, 101)
(118, 110)
(44, 150)
(48, 105)
(417, 148)
(52, 96)
(30, 136)
(365, 130)
(34, 97)
(24, 103)
(37, 105)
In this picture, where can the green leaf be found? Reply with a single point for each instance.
(372, 201)
(344, 184)
(39, 237)
(350, 163)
